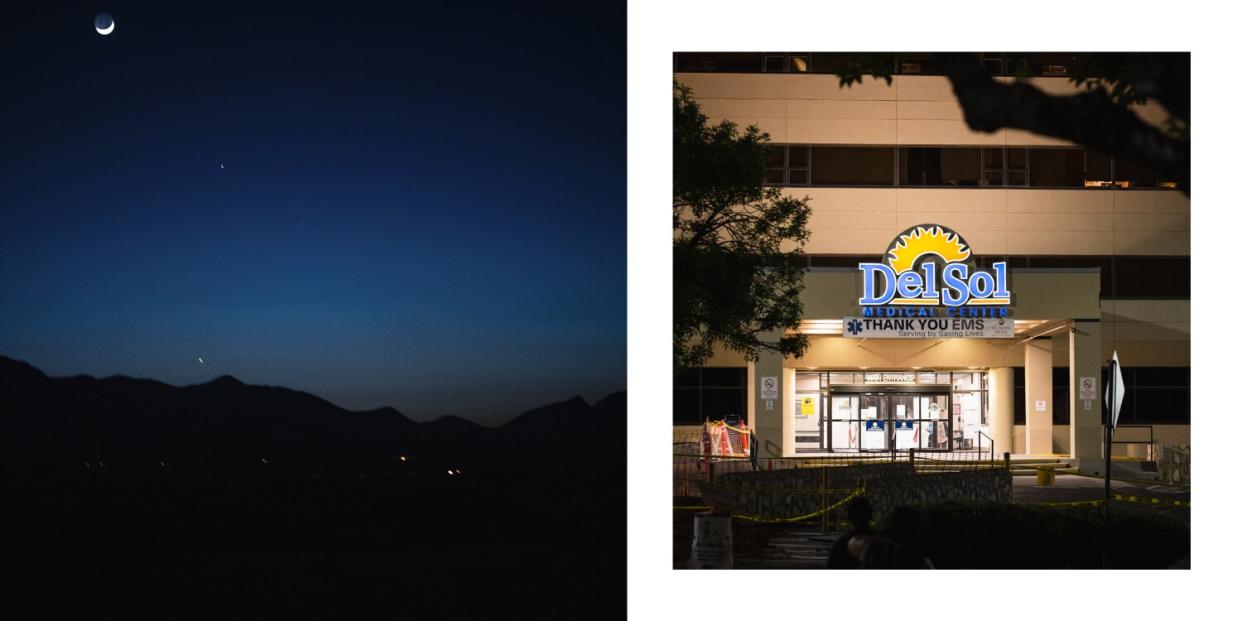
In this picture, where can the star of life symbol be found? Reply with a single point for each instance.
(855, 326)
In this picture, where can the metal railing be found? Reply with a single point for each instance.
(1150, 441)
(991, 445)
(691, 468)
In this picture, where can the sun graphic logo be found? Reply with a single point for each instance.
(931, 265)
(923, 240)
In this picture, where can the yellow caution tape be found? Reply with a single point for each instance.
(782, 490)
(1134, 499)
(719, 423)
(757, 518)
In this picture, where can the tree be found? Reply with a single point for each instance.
(1100, 118)
(737, 244)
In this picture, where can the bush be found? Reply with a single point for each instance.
(958, 535)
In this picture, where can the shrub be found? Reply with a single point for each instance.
(1000, 535)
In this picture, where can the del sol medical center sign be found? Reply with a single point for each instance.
(928, 285)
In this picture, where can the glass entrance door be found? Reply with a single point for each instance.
(879, 421)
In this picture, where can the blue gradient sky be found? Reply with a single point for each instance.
(420, 206)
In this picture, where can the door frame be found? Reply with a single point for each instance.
(884, 391)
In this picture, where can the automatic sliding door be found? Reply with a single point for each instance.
(845, 423)
(932, 424)
(875, 426)
(904, 411)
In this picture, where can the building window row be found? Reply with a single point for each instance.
(1154, 395)
(954, 167)
(1049, 64)
(1121, 277)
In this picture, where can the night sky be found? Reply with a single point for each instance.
(419, 205)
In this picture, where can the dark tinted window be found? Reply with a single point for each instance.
(1135, 176)
(718, 61)
(1162, 376)
(724, 376)
(721, 402)
(1057, 168)
(1099, 170)
(937, 166)
(852, 166)
(708, 393)
(1162, 277)
(955, 167)
(1019, 396)
(687, 409)
(1155, 395)
(776, 165)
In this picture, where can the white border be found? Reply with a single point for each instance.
(656, 29)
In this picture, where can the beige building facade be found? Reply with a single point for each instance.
(1097, 260)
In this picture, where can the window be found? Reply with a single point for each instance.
(1099, 170)
(799, 63)
(969, 408)
(1056, 168)
(940, 166)
(965, 166)
(852, 166)
(1019, 396)
(1018, 167)
(993, 167)
(1069, 168)
(776, 165)
(1136, 176)
(799, 162)
(708, 393)
(1154, 395)
(1153, 277)
(710, 62)
(994, 63)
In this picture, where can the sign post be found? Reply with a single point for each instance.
(1112, 409)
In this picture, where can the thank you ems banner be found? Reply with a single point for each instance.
(927, 328)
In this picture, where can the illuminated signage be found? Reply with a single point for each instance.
(929, 267)
(899, 377)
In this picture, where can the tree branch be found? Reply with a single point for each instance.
(1089, 119)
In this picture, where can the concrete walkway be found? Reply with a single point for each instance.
(1075, 488)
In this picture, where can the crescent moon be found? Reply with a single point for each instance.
(104, 31)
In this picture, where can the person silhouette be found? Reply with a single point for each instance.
(897, 548)
(858, 512)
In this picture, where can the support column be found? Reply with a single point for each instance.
(770, 413)
(1039, 393)
(1000, 408)
(1086, 433)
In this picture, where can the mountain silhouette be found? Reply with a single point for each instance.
(122, 420)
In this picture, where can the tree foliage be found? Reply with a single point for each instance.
(737, 244)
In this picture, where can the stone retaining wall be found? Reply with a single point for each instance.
(992, 484)
(1173, 465)
(779, 493)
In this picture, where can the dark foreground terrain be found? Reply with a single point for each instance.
(529, 542)
(986, 535)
